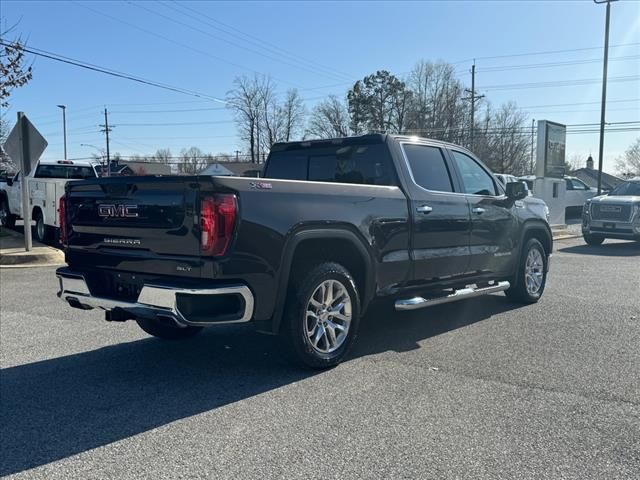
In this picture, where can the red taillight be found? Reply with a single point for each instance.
(217, 221)
(62, 219)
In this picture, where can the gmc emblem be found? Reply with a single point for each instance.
(117, 211)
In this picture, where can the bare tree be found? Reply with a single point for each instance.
(329, 119)
(573, 163)
(629, 164)
(162, 155)
(437, 109)
(13, 71)
(293, 111)
(246, 102)
(192, 161)
(506, 140)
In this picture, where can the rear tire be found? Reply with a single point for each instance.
(7, 219)
(322, 316)
(166, 330)
(593, 239)
(531, 277)
(43, 232)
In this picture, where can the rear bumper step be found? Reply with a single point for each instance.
(418, 302)
(160, 301)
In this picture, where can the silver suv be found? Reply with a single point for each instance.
(615, 215)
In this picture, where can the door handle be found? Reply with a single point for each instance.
(478, 210)
(424, 209)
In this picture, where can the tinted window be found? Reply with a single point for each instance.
(64, 171)
(287, 166)
(627, 188)
(475, 179)
(367, 164)
(428, 167)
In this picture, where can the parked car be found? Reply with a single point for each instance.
(46, 186)
(615, 215)
(577, 193)
(304, 251)
(537, 205)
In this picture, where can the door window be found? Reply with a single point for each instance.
(475, 179)
(575, 184)
(428, 167)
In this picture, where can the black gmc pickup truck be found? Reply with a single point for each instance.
(303, 251)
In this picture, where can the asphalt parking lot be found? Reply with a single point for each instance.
(479, 389)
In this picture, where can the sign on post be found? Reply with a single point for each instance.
(24, 145)
(551, 148)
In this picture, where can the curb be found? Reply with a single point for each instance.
(38, 257)
(566, 237)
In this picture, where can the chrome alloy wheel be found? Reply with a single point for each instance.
(534, 271)
(328, 316)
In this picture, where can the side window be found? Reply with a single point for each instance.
(578, 185)
(366, 164)
(428, 167)
(475, 179)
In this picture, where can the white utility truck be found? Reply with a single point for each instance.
(46, 186)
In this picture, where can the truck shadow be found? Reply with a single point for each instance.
(64, 406)
(384, 329)
(608, 249)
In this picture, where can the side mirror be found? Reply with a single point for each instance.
(10, 181)
(516, 190)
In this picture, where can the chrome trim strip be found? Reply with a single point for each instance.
(155, 299)
(419, 302)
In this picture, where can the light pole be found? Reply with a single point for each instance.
(604, 90)
(64, 127)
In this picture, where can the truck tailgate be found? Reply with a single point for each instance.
(142, 224)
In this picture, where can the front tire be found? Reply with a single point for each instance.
(593, 239)
(530, 279)
(322, 316)
(167, 330)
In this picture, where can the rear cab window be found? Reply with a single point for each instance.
(366, 164)
(72, 172)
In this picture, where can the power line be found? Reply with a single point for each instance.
(252, 39)
(114, 73)
(171, 124)
(628, 100)
(170, 40)
(554, 64)
(204, 32)
(560, 83)
(550, 52)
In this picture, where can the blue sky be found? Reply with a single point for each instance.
(319, 48)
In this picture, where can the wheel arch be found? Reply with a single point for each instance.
(540, 231)
(338, 243)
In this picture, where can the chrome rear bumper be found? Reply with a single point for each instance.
(154, 300)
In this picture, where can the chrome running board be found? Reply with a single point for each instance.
(419, 302)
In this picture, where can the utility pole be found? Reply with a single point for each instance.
(237, 153)
(473, 97)
(106, 129)
(604, 91)
(64, 127)
(533, 126)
